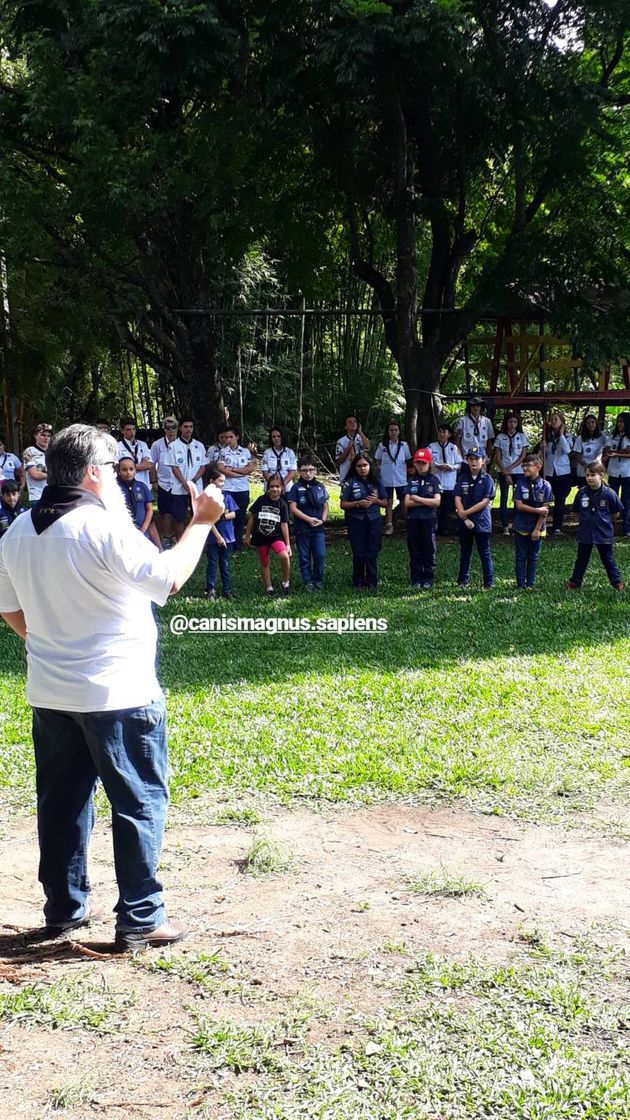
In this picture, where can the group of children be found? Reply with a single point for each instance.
(448, 477)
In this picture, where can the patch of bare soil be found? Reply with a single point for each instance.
(330, 933)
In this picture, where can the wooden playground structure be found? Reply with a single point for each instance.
(522, 367)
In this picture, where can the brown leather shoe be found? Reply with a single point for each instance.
(91, 915)
(135, 941)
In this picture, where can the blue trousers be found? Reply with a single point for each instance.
(482, 541)
(311, 547)
(526, 553)
(364, 535)
(422, 549)
(241, 497)
(127, 751)
(220, 557)
(582, 561)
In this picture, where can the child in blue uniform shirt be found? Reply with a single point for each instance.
(308, 503)
(10, 507)
(421, 503)
(220, 542)
(137, 495)
(473, 499)
(532, 496)
(597, 505)
(362, 498)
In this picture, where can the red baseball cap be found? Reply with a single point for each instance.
(423, 455)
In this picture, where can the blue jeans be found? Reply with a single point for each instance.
(311, 546)
(607, 559)
(482, 540)
(127, 751)
(526, 553)
(221, 557)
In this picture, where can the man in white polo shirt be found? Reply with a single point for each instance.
(77, 582)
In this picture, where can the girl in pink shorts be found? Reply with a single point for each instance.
(268, 530)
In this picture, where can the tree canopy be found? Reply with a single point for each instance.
(461, 157)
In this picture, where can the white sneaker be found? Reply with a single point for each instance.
(506, 532)
(389, 529)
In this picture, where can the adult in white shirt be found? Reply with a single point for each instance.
(558, 443)
(236, 464)
(189, 455)
(392, 456)
(172, 504)
(348, 446)
(77, 582)
(34, 459)
(447, 463)
(510, 448)
(473, 429)
(589, 444)
(617, 461)
(10, 466)
(279, 459)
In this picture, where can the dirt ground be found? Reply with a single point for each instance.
(325, 933)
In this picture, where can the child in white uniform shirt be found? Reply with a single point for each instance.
(393, 456)
(349, 446)
(589, 444)
(236, 463)
(447, 464)
(510, 448)
(279, 459)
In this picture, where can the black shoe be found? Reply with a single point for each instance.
(91, 915)
(227, 595)
(210, 593)
(285, 590)
(133, 942)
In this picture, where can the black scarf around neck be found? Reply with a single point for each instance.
(57, 501)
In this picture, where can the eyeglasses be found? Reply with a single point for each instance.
(107, 463)
(170, 425)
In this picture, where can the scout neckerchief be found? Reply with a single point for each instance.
(132, 449)
(443, 447)
(4, 459)
(393, 458)
(187, 444)
(57, 501)
(511, 447)
(475, 424)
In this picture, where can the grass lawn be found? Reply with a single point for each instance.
(513, 702)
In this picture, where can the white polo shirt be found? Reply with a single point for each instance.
(446, 455)
(138, 450)
(162, 458)
(509, 454)
(236, 457)
(591, 449)
(86, 585)
(279, 462)
(9, 464)
(342, 444)
(617, 468)
(474, 433)
(34, 457)
(393, 459)
(188, 457)
(557, 461)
